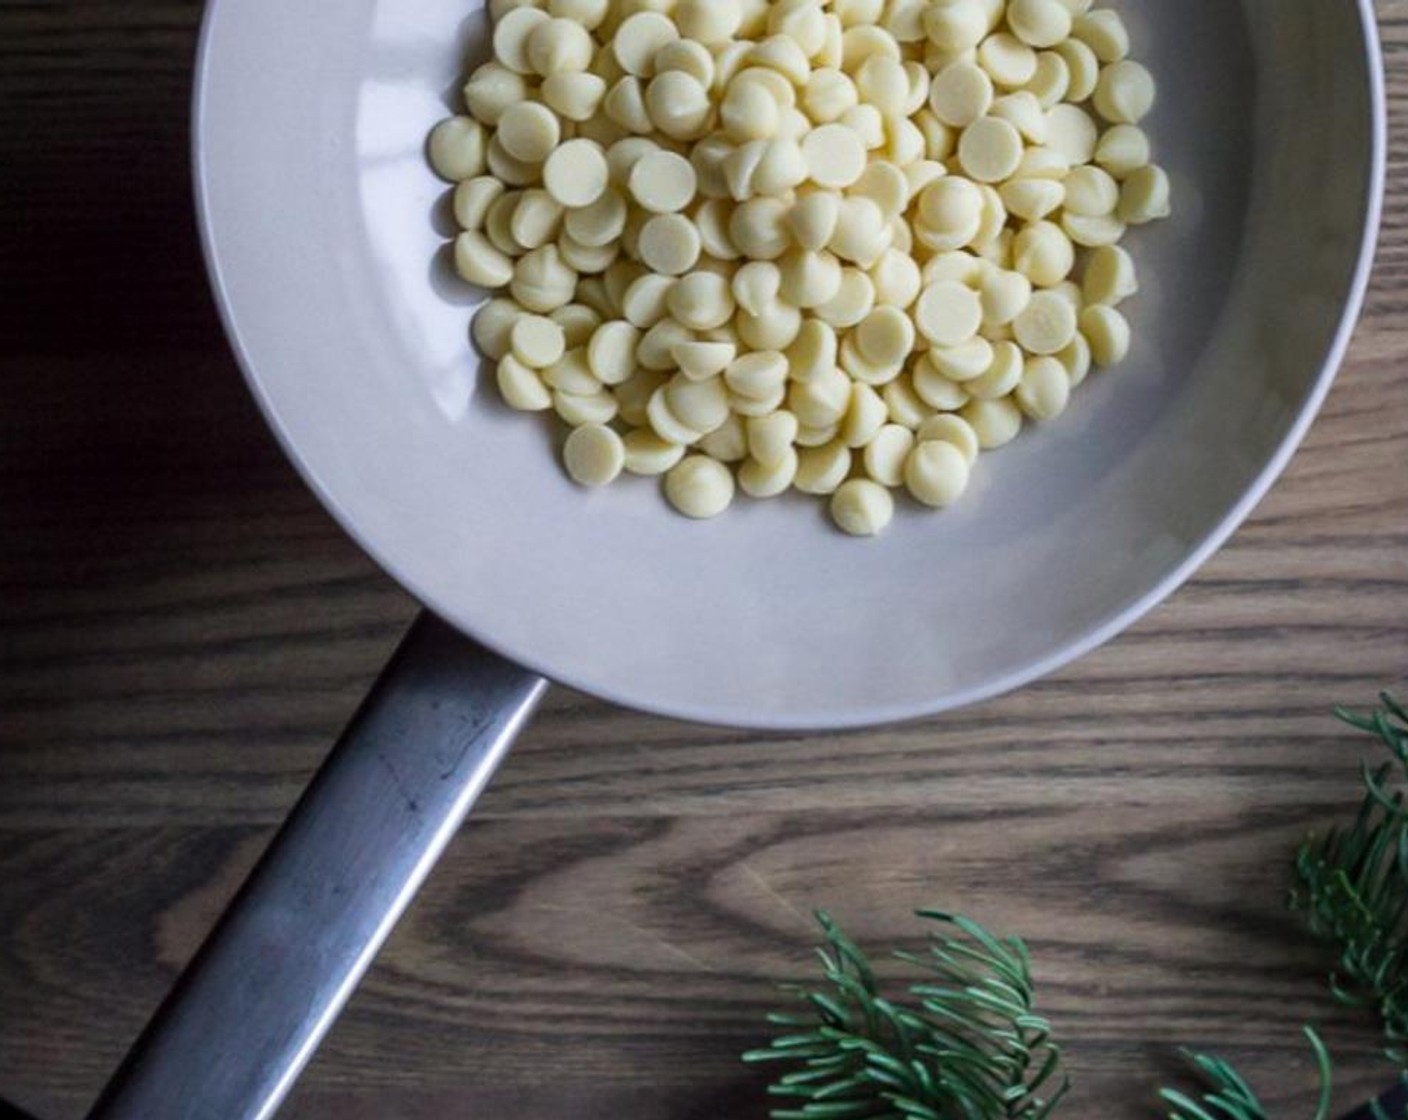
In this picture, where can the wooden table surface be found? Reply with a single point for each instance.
(183, 631)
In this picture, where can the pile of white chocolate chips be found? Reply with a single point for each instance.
(839, 246)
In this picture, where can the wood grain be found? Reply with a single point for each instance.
(182, 632)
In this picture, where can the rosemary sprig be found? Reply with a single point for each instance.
(1352, 883)
(966, 1045)
(1229, 1097)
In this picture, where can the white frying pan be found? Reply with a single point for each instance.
(325, 232)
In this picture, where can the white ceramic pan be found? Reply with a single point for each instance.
(325, 232)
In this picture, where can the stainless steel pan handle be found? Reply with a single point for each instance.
(251, 1008)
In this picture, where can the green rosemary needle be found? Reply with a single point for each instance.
(1352, 884)
(1228, 1097)
(966, 1044)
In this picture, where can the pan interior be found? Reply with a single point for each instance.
(326, 234)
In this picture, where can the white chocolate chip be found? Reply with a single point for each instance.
(1076, 359)
(821, 470)
(558, 45)
(699, 487)
(809, 279)
(884, 183)
(479, 262)
(702, 360)
(493, 326)
(852, 302)
(491, 89)
(643, 303)
(1039, 23)
(950, 213)
(701, 301)
(1072, 133)
(759, 375)
(537, 341)
(767, 480)
(990, 150)
(1045, 389)
(758, 228)
(663, 182)
(884, 456)
(1043, 253)
(1091, 233)
(948, 428)
(885, 336)
(521, 387)
(728, 443)
(575, 174)
(948, 313)
(594, 455)
(1046, 325)
(828, 95)
(960, 94)
(1082, 66)
(571, 374)
(536, 220)
(1008, 60)
(578, 322)
(1107, 332)
(473, 197)
(771, 437)
(648, 454)
(458, 149)
(862, 233)
(669, 244)
(1144, 197)
(1123, 150)
(936, 473)
(956, 25)
(594, 408)
(1052, 81)
(963, 362)
(996, 423)
(1124, 93)
(637, 40)
(1110, 276)
(701, 406)
(1091, 192)
(678, 104)
(709, 21)
(1004, 373)
(897, 279)
(1104, 32)
(812, 219)
(511, 37)
(834, 155)
(862, 508)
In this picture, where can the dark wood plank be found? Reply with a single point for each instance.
(182, 632)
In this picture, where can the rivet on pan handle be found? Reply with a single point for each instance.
(251, 1008)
